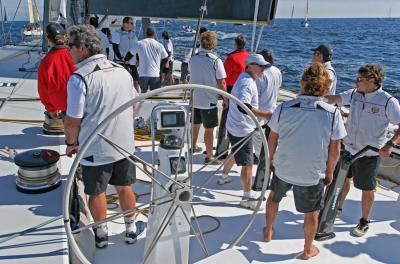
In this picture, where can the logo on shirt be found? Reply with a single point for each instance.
(374, 110)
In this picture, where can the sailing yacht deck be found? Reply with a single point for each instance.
(49, 244)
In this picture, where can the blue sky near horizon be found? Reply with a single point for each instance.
(318, 8)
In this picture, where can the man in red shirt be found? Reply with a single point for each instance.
(54, 71)
(235, 62)
(234, 65)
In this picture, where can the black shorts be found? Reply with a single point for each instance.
(306, 198)
(207, 117)
(96, 178)
(169, 69)
(364, 172)
(244, 156)
(132, 69)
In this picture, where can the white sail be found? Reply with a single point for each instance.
(306, 23)
(291, 16)
(30, 12)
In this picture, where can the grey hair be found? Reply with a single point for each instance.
(86, 35)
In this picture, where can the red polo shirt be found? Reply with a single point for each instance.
(234, 65)
(53, 74)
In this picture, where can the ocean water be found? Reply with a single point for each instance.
(355, 42)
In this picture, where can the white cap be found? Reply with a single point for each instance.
(257, 59)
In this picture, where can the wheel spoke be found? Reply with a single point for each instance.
(115, 216)
(200, 232)
(201, 239)
(128, 155)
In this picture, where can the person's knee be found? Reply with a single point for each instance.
(123, 189)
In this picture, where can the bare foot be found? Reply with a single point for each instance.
(268, 234)
(310, 253)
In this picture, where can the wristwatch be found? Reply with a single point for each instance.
(390, 143)
(70, 145)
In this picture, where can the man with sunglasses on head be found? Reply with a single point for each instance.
(123, 40)
(96, 90)
(371, 111)
(323, 54)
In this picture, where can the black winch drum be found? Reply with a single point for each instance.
(52, 126)
(38, 171)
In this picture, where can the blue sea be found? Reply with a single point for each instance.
(355, 42)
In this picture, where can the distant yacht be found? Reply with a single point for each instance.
(306, 22)
(212, 23)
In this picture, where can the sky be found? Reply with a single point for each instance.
(318, 8)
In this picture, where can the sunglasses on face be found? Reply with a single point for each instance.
(360, 79)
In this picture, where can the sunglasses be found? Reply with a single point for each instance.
(130, 22)
(360, 79)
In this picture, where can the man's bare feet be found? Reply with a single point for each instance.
(312, 252)
(268, 234)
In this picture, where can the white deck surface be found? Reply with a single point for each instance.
(21, 211)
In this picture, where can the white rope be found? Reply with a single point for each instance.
(253, 34)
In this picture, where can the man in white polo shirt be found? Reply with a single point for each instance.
(207, 69)
(268, 86)
(240, 126)
(304, 147)
(123, 40)
(371, 111)
(152, 55)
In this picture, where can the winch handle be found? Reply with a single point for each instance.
(365, 149)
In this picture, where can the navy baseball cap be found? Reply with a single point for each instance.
(55, 29)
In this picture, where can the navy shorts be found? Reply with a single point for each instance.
(306, 198)
(119, 173)
(149, 82)
(364, 172)
(207, 117)
(244, 156)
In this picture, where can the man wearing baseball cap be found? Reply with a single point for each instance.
(241, 126)
(54, 71)
(323, 54)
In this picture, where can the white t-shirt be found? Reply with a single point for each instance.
(268, 88)
(104, 41)
(150, 52)
(205, 68)
(239, 124)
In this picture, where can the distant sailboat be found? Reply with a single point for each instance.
(306, 22)
(33, 28)
(291, 16)
(5, 20)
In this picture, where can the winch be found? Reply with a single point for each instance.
(38, 171)
(52, 126)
